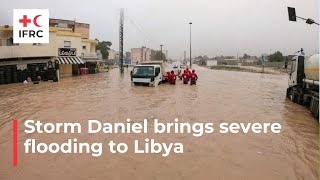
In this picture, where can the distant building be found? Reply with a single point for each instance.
(113, 54)
(140, 54)
(145, 54)
(212, 62)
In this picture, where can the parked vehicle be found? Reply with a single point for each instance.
(304, 82)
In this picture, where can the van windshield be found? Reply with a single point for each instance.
(143, 71)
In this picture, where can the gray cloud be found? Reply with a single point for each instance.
(219, 27)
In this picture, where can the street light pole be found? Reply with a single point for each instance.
(190, 44)
(161, 52)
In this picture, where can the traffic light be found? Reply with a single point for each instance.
(292, 14)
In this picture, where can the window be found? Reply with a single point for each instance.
(84, 47)
(67, 43)
(157, 71)
(0, 42)
(293, 65)
(143, 71)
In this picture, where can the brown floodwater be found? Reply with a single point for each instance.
(219, 96)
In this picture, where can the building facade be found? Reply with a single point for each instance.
(77, 27)
(141, 54)
(113, 54)
(67, 51)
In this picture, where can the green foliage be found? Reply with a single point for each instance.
(104, 47)
(128, 55)
(160, 56)
(276, 57)
(246, 56)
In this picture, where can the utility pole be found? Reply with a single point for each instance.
(121, 39)
(190, 45)
(185, 54)
(161, 52)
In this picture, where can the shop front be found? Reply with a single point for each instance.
(68, 62)
(31, 69)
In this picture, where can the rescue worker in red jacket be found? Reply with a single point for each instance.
(188, 71)
(168, 77)
(173, 78)
(185, 77)
(193, 78)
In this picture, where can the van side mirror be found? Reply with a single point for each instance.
(130, 73)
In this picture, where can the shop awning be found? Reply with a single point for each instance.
(70, 60)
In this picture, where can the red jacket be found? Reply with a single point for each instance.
(185, 76)
(193, 76)
(173, 78)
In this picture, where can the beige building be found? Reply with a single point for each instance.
(68, 50)
(141, 54)
(113, 54)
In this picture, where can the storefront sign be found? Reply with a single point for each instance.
(67, 52)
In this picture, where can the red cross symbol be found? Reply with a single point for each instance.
(25, 20)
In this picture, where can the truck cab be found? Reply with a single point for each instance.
(303, 84)
(148, 74)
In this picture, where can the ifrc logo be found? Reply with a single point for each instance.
(31, 26)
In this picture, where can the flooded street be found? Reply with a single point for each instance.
(219, 96)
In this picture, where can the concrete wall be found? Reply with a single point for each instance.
(90, 49)
(84, 29)
(26, 50)
(212, 62)
(140, 55)
(274, 64)
(75, 43)
(249, 63)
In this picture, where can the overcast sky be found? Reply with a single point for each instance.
(220, 27)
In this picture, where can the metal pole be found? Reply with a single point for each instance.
(161, 52)
(190, 45)
(121, 40)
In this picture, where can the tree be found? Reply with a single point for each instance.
(128, 55)
(104, 47)
(160, 56)
(276, 57)
(246, 56)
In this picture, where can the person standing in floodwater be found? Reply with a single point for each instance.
(173, 78)
(169, 77)
(193, 78)
(185, 77)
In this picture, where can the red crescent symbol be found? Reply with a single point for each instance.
(35, 20)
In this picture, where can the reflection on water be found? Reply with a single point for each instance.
(219, 96)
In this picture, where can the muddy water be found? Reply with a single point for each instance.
(219, 96)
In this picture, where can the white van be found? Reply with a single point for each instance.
(150, 75)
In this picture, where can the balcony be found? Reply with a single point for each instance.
(25, 51)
